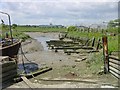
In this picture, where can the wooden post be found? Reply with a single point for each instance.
(93, 42)
(105, 53)
(98, 44)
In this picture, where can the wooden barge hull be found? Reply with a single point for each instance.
(10, 50)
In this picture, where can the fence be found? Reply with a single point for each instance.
(111, 63)
(114, 66)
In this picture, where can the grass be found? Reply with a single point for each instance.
(95, 62)
(78, 34)
(39, 29)
(112, 40)
(112, 44)
(20, 35)
(17, 35)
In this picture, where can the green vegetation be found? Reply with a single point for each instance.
(114, 23)
(84, 34)
(20, 35)
(95, 62)
(72, 28)
(112, 43)
(16, 34)
(111, 33)
(39, 29)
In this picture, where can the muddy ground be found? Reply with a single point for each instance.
(66, 72)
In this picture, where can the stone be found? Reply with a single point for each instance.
(35, 81)
(60, 60)
(73, 66)
(78, 60)
(101, 72)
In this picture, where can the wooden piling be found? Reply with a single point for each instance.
(105, 54)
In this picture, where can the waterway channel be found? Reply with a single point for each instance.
(43, 39)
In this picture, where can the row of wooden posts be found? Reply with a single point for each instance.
(87, 30)
(76, 43)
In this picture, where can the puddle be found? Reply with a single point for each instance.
(43, 39)
(29, 67)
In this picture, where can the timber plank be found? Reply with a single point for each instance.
(30, 84)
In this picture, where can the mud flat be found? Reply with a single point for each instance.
(66, 73)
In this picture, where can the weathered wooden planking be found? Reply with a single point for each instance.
(90, 51)
(10, 72)
(115, 70)
(4, 58)
(8, 68)
(114, 74)
(83, 47)
(114, 65)
(114, 57)
(5, 84)
(33, 74)
(114, 61)
(58, 41)
(7, 63)
(62, 44)
(8, 78)
(39, 71)
(30, 84)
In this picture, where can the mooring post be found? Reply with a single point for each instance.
(93, 41)
(105, 54)
(98, 44)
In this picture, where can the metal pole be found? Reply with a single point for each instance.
(9, 24)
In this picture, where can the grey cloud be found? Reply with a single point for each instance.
(62, 12)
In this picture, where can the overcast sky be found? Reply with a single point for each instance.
(64, 12)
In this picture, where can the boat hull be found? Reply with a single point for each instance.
(10, 50)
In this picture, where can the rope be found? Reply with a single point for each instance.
(24, 55)
(23, 60)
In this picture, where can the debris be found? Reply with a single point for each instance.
(78, 60)
(43, 64)
(35, 81)
(101, 72)
(73, 66)
(60, 60)
(107, 86)
(71, 75)
(65, 66)
(28, 82)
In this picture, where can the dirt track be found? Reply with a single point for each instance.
(65, 70)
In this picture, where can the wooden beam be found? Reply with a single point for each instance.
(30, 84)
(105, 54)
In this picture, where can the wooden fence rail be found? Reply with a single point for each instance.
(114, 66)
(111, 63)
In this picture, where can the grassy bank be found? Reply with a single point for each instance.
(17, 35)
(21, 35)
(39, 29)
(112, 40)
